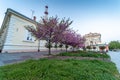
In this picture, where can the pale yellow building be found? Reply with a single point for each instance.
(92, 39)
(14, 37)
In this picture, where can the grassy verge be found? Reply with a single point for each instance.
(54, 69)
(84, 54)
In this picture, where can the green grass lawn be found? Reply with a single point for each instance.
(85, 54)
(54, 69)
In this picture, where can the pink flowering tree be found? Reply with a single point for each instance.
(49, 29)
(70, 38)
(82, 43)
(65, 38)
(61, 27)
(37, 31)
(78, 41)
(49, 26)
(54, 31)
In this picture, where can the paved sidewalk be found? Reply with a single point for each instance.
(115, 57)
(10, 58)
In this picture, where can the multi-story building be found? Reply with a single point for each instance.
(92, 39)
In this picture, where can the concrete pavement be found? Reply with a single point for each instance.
(9, 58)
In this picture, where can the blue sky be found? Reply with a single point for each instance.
(101, 16)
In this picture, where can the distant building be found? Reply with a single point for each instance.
(92, 39)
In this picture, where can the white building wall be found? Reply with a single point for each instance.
(15, 39)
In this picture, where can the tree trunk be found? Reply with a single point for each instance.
(73, 49)
(49, 47)
(66, 46)
(66, 49)
(39, 45)
(56, 49)
(56, 46)
(49, 51)
(61, 48)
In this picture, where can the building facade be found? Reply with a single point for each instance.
(14, 37)
(92, 39)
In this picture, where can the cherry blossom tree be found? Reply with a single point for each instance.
(49, 29)
(54, 28)
(56, 31)
(70, 38)
(37, 31)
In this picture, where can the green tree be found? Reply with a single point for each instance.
(114, 45)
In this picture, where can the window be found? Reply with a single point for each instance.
(28, 36)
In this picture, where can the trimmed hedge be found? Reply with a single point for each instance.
(84, 54)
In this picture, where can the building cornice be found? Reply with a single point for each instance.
(10, 12)
(13, 12)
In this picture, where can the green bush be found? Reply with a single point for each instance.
(114, 45)
(89, 47)
(55, 46)
(61, 45)
(84, 54)
(48, 45)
